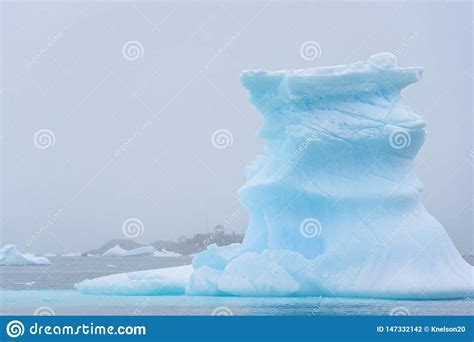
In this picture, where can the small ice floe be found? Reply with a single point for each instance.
(29, 283)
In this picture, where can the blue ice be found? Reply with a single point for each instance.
(334, 204)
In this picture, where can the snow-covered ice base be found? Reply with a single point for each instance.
(140, 251)
(120, 252)
(334, 204)
(10, 256)
(165, 281)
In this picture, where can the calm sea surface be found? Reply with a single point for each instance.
(24, 289)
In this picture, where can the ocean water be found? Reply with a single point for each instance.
(49, 289)
(64, 272)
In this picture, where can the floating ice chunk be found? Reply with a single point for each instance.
(334, 204)
(119, 251)
(10, 256)
(28, 283)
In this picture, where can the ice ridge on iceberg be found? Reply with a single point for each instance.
(334, 204)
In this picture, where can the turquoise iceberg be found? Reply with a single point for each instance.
(334, 203)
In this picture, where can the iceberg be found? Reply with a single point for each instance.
(10, 256)
(119, 251)
(334, 204)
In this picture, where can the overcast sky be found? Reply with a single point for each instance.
(108, 109)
